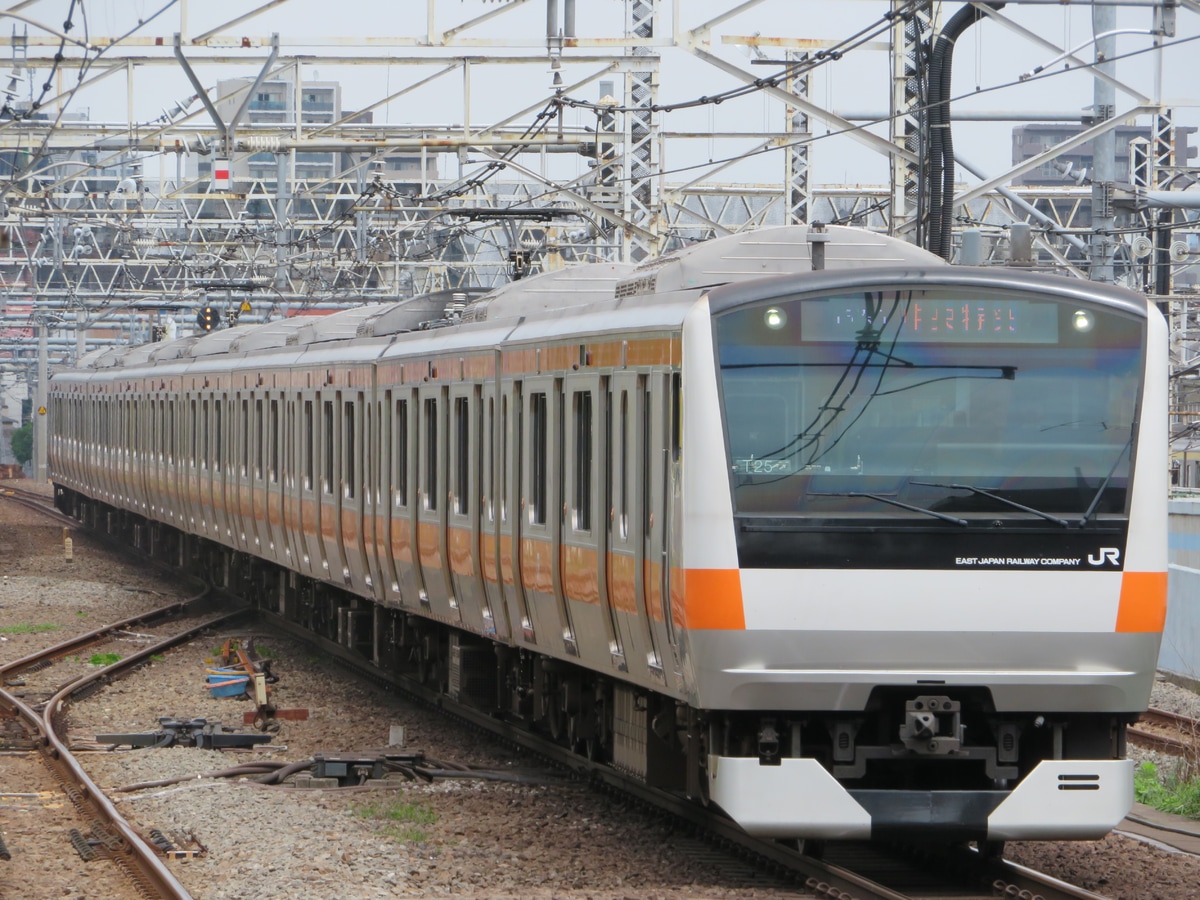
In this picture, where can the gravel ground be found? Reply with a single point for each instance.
(539, 838)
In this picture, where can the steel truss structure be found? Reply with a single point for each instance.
(108, 231)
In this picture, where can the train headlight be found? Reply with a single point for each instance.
(775, 318)
(1082, 320)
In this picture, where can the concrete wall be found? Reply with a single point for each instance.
(1180, 652)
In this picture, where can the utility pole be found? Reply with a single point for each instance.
(39, 401)
(1101, 244)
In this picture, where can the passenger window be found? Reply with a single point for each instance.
(539, 437)
(308, 445)
(676, 418)
(217, 445)
(258, 439)
(582, 417)
(431, 453)
(623, 508)
(327, 447)
(245, 437)
(274, 426)
(462, 467)
(489, 461)
(348, 470)
(402, 452)
(503, 459)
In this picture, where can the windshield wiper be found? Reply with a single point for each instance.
(883, 499)
(1104, 484)
(981, 492)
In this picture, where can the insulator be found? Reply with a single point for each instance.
(263, 143)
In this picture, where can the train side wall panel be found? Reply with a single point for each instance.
(1180, 653)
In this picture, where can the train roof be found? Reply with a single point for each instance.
(560, 289)
(782, 250)
(736, 268)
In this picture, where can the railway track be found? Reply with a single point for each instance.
(846, 871)
(38, 729)
(1166, 732)
(850, 871)
(36, 501)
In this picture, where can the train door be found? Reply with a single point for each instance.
(219, 470)
(193, 422)
(352, 533)
(584, 543)
(274, 482)
(627, 553)
(239, 420)
(310, 532)
(462, 534)
(511, 516)
(249, 443)
(148, 406)
(290, 479)
(430, 536)
(405, 497)
(491, 474)
(258, 490)
(541, 511)
(119, 465)
(204, 467)
(375, 489)
(171, 463)
(331, 487)
(657, 432)
(137, 456)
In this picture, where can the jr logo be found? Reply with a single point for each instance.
(1106, 555)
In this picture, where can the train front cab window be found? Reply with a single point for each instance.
(906, 393)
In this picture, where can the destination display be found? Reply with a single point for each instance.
(931, 321)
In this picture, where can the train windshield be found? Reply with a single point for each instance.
(953, 401)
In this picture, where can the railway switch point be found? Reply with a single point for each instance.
(197, 732)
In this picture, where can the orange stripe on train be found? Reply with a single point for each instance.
(713, 600)
(1143, 606)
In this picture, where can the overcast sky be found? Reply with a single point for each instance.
(988, 57)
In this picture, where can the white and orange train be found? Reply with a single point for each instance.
(865, 549)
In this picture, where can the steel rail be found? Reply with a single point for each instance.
(1158, 736)
(138, 858)
(37, 502)
(72, 645)
(821, 878)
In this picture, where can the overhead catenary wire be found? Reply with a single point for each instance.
(555, 105)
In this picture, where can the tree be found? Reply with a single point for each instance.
(22, 443)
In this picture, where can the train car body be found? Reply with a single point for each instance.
(871, 550)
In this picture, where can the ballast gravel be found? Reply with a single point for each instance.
(536, 835)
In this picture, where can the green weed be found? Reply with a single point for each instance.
(1167, 792)
(401, 819)
(104, 659)
(27, 628)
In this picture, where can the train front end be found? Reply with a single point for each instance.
(926, 567)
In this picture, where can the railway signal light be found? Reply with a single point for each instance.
(206, 318)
